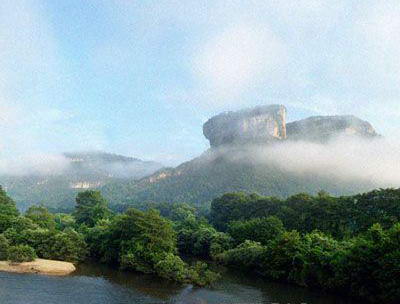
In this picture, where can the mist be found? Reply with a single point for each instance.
(34, 164)
(61, 164)
(344, 157)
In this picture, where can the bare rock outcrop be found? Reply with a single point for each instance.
(267, 124)
(323, 128)
(258, 125)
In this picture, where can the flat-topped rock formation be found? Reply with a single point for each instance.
(261, 124)
(323, 128)
(267, 124)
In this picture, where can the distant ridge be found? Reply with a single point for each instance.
(228, 166)
(86, 170)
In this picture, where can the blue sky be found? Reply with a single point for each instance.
(141, 77)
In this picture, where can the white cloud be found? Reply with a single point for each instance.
(34, 164)
(326, 55)
(236, 59)
(318, 105)
(31, 121)
(379, 30)
(376, 161)
(28, 49)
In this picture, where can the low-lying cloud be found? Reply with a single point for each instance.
(59, 164)
(35, 164)
(372, 160)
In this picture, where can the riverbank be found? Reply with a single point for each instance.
(39, 266)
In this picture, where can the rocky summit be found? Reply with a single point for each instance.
(323, 128)
(267, 124)
(260, 125)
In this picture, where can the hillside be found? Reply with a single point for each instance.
(217, 172)
(85, 170)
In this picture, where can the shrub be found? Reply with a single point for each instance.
(68, 245)
(247, 255)
(283, 256)
(41, 216)
(4, 246)
(260, 230)
(21, 253)
(172, 268)
(41, 240)
(201, 275)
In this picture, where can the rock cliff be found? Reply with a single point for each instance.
(262, 124)
(267, 124)
(323, 128)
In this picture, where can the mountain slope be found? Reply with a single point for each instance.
(87, 170)
(220, 171)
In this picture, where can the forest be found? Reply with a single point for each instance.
(344, 245)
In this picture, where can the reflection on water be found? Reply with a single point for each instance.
(94, 284)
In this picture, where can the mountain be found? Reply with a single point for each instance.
(242, 156)
(236, 160)
(217, 172)
(259, 125)
(324, 128)
(101, 164)
(84, 170)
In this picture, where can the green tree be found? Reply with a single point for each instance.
(41, 216)
(64, 221)
(145, 237)
(247, 255)
(69, 245)
(172, 267)
(8, 211)
(21, 253)
(201, 275)
(100, 244)
(41, 240)
(260, 230)
(317, 262)
(91, 207)
(4, 247)
(16, 234)
(7, 204)
(283, 256)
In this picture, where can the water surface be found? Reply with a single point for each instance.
(94, 284)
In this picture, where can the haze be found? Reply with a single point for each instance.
(140, 78)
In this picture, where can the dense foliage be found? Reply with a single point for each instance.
(135, 240)
(348, 245)
(145, 242)
(21, 253)
(91, 207)
(338, 216)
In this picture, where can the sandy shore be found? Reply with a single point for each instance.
(40, 266)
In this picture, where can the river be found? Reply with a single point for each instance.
(94, 284)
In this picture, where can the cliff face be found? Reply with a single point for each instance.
(322, 128)
(258, 125)
(267, 124)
